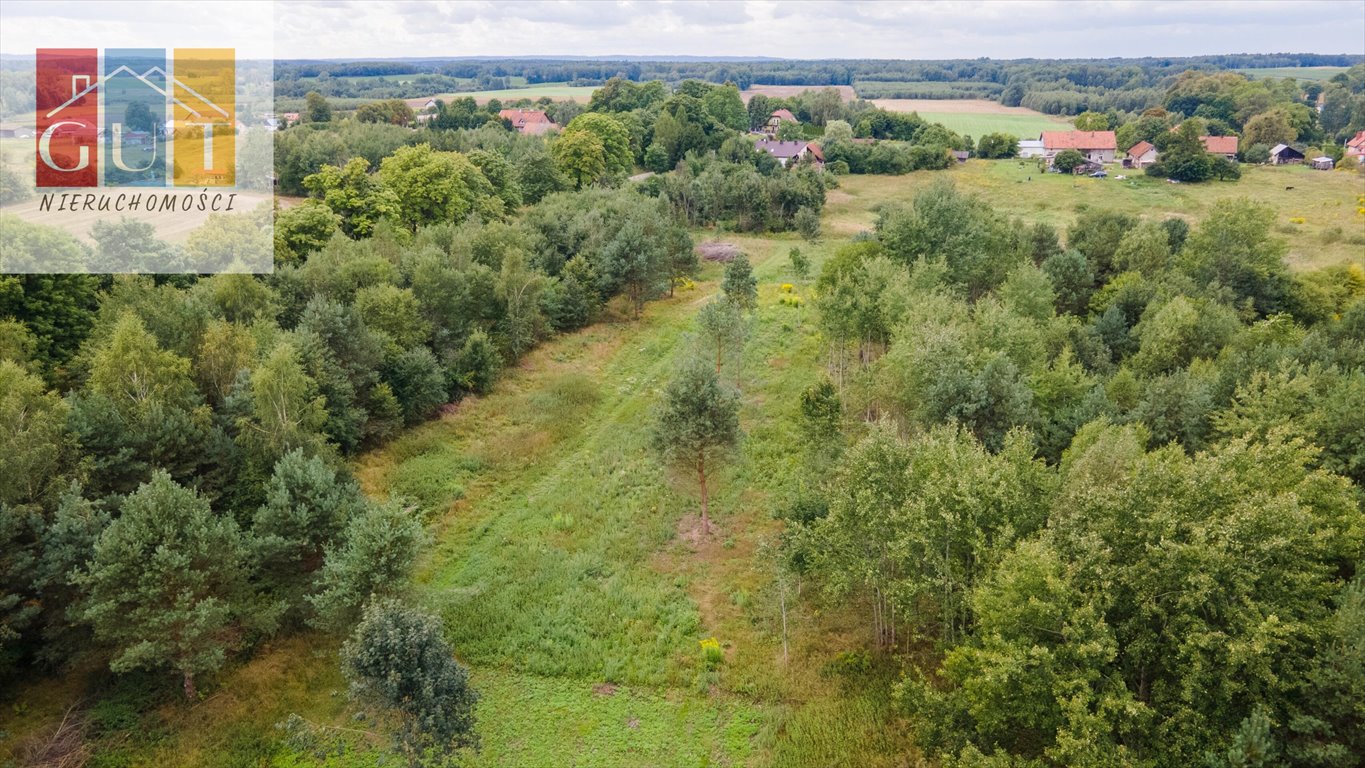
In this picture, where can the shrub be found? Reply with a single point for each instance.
(398, 659)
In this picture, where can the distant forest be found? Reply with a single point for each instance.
(1054, 86)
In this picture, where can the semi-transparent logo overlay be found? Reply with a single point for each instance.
(138, 159)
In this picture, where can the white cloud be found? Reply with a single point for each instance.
(783, 28)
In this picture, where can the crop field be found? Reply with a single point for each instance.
(555, 91)
(977, 117)
(1298, 73)
(1332, 230)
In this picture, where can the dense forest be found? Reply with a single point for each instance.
(1094, 496)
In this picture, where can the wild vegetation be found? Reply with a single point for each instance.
(495, 468)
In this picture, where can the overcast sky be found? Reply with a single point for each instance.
(350, 29)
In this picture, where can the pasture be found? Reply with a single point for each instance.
(977, 117)
(554, 91)
(1332, 229)
(1298, 73)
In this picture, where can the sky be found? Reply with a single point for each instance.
(807, 29)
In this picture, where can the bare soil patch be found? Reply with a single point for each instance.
(718, 250)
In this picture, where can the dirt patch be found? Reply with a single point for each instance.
(717, 250)
(954, 106)
(784, 91)
(693, 534)
(604, 689)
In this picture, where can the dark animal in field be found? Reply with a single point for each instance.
(1287, 188)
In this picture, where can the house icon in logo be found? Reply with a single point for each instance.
(189, 111)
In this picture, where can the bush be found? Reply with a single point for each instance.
(398, 659)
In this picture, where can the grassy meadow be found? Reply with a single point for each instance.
(564, 556)
(977, 117)
(556, 91)
(566, 565)
(1332, 230)
(1298, 73)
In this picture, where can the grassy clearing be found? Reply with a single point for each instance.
(1332, 231)
(978, 125)
(555, 91)
(977, 117)
(1298, 73)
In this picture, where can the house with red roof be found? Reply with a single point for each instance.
(776, 119)
(1096, 146)
(531, 122)
(1223, 146)
(1355, 147)
(1140, 155)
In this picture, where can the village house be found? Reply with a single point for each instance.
(1030, 148)
(531, 122)
(1355, 147)
(1140, 155)
(1283, 154)
(1096, 146)
(1223, 146)
(776, 119)
(788, 151)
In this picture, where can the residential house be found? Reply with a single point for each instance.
(788, 151)
(776, 119)
(531, 122)
(1096, 146)
(1140, 155)
(1223, 146)
(1283, 154)
(1355, 147)
(1030, 148)
(1323, 163)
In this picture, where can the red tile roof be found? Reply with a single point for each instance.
(1139, 149)
(528, 120)
(784, 114)
(1220, 145)
(1357, 142)
(1079, 140)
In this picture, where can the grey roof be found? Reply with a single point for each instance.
(782, 149)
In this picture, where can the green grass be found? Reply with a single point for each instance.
(978, 125)
(1333, 231)
(555, 91)
(1299, 73)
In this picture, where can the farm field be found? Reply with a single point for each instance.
(1298, 73)
(556, 91)
(1326, 201)
(784, 91)
(977, 117)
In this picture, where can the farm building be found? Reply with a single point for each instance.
(787, 151)
(1223, 146)
(1355, 147)
(531, 122)
(1030, 148)
(1283, 154)
(961, 155)
(1097, 146)
(1140, 155)
(776, 119)
(1323, 163)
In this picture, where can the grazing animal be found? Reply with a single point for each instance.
(1287, 188)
